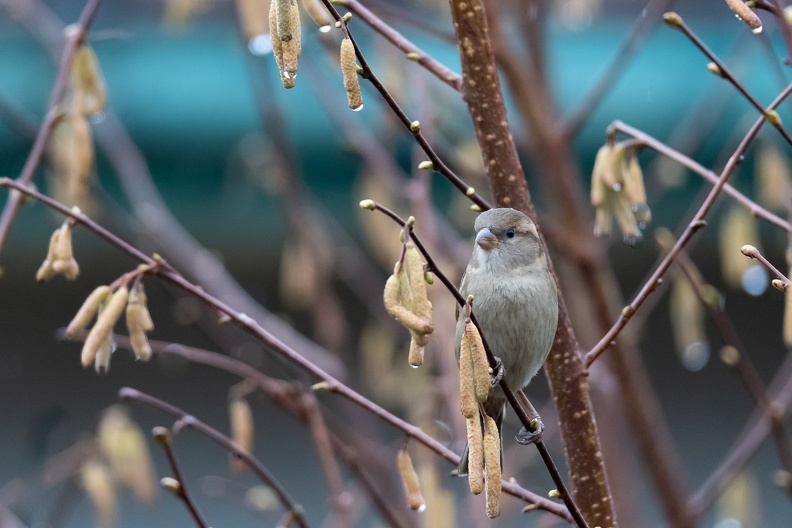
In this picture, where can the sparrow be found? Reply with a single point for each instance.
(515, 301)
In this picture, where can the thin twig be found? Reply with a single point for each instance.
(437, 163)
(756, 210)
(695, 224)
(186, 420)
(164, 440)
(726, 74)
(753, 253)
(413, 52)
(74, 39)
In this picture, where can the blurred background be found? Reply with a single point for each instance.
(251, 191)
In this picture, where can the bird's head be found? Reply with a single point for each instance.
(508, 237)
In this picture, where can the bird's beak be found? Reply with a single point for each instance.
(486, 240)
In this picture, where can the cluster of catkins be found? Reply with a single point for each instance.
(60, 257)
(617, 191)
(407, 301)
(107, 306)
(484, 469)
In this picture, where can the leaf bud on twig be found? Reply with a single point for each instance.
(672, 19)
(171, 485)
(368, 204)
(773, 118)
(715, 69)
(161, 435)
(729, 355)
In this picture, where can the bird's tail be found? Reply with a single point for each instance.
(496, 409)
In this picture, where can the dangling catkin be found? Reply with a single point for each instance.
(88, 310)
(475, 454)
(492, 468)
(103, 327)
(349, 73)
(412, 487)
(467, 384)
(241, 430)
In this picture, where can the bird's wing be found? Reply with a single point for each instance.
(462, 289)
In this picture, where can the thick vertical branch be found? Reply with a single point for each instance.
(568, 378)
(482, 93)
(554, 158)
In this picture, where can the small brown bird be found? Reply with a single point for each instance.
(515, 301)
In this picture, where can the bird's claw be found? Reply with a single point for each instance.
(497, 372)
(526, 437)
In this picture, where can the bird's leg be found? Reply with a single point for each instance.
(497, 372)
(526, 436)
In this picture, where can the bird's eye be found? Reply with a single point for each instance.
(510, 233)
